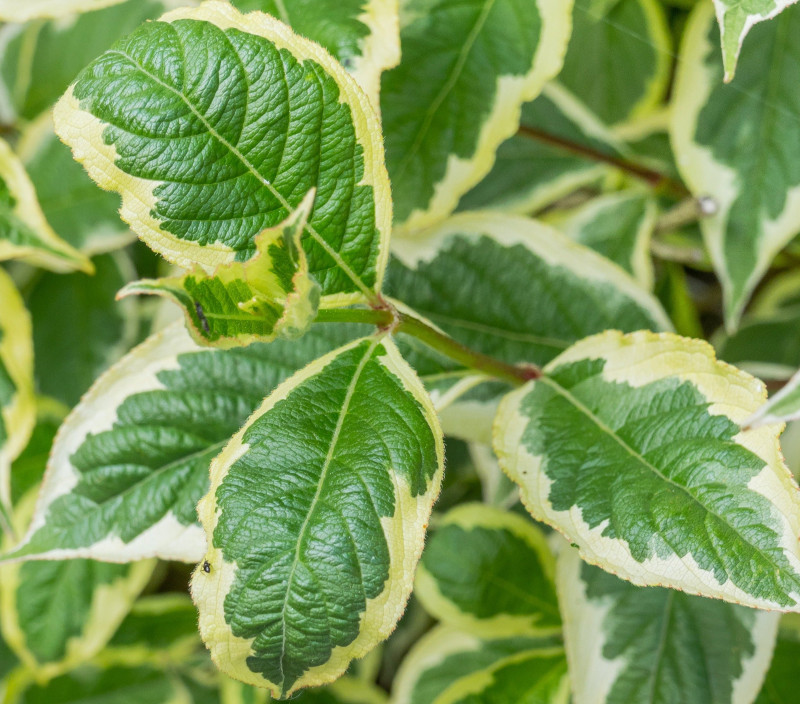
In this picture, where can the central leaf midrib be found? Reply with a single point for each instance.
(606, 429)
(253, 170)
(312, 507)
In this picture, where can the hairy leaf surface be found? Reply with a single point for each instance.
(363, 35)
(316, 518)
(489, 572)
(24, 232)
(481, 60)
(631, 645)
(630, 445)
(448, 666)
(257, 117)
(737, 143)
(271, 295)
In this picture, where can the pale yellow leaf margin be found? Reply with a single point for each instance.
(638, 359)
(405, 536)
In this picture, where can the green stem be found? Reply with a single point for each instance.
(409, 325)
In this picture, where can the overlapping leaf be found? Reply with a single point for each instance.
(448, 666)
(13, 11)
(24, 232)
(363, 35)
(271, 295)
(780, 686)
(258, 116)
(630, 445)
(736, 19)
(340, 465)
(466, 70)
(736, 144)
(630, 645)
(489, 572)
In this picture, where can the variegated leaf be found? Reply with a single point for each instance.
(237, 155)
(489, 572)
(736, 19)
(15, 11)
(448, 666)
(17, 404)
(630, 445)
(730, 143)
(271, 295)
(316, 518)
(57, 615)
(24, 232)
(363, 35)
(481, 60)
(631, 645)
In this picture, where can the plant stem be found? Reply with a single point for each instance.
(409, 325)
(654, 178)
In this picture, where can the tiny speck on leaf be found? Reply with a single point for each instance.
(206, 567)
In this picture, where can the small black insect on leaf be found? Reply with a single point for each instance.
(201, 316)
(206, 567)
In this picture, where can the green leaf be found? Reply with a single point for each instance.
(780, 686)
(531, 173)
(618, 226)
(736, 19)
(466, 70)
(79, 329)
(114, 685)
(363, 35)
(735, 144)
(158, 629)
(627, 38)
(630, 445)
(17, 404)
(448, 666)
(781, 408)
(630, 645)
(85, 216)
(489, 572)
(257, 143)
(40, 59)
(57, 615)
(271, 295)
(13, 11)
(514, 288)
(24, 232)
(341, 465)
(150, 427)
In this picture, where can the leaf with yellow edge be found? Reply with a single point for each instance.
(16, 11)
(213, 126)
(630, 445)
(316, 518)
(271, 295)
(17, 402)
(24, 231)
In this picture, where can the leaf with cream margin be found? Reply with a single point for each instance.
(547, 160)
(15, 11)
(635, 645)
(628, 38)
(736, 19)
(270, 295)
(480, 60)
(17, 402)
(57, 615)
(316, 518)
(737, 144)
(619, 226)
(362, 35)
(24, 232)
(630, 446)
(448, 666)
(238, 155)
(489, 572)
